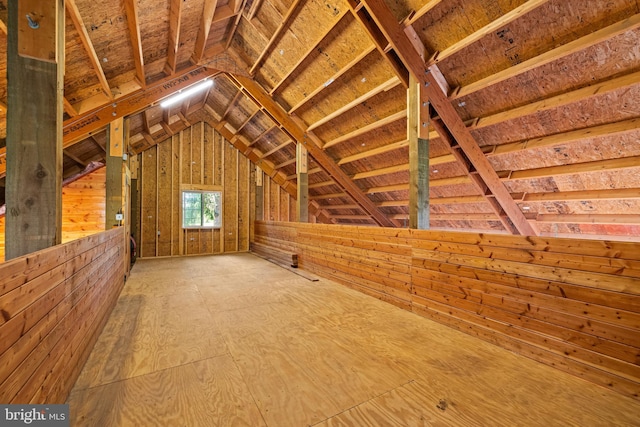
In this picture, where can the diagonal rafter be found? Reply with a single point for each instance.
(131, 8)
(300, 134)
(175, 19)
(74, 13)
(209, 10)
(395, 34)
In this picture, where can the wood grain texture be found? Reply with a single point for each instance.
(295, 352)
(54, 304)
(574, 305)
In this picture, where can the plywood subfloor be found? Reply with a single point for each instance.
(235, 340)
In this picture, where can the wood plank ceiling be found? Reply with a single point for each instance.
(539, 98)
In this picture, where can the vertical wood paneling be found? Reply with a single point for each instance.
(196, 156)
(573, 305)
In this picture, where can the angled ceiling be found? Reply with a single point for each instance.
(535, 105)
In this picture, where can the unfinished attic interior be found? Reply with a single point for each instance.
(457, 183)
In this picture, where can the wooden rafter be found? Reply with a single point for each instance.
(131, 9)
(382, 171)
(405, 48)
(550, 56)
(233, 101)
(283, 25)
(265, 132)
(276, 149)
(578, 95)
(561, 196)
(490, 28)
(388, 188)
(303, 136)
(208, 12)
(68, 108)
(413, 17)
(175, 19)
(374, 152)
(389, 84)
(329, 196)
(368, 128)
(379, 41)
(310, 50)
(75, 158)
(248, 119)
(576, 168)
(285, 163)
(590, 218)
(476, 179)
(234, 27)
(322, 184)
(334, 77)
(98, 144)
(74, 13)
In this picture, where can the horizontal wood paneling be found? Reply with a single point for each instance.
(196, 156)
(571, 304)
(83, 208)
(54, 304)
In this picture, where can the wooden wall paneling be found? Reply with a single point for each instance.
(54, 310)
(574, 305)
(230, 204)
(149, 203)
(223, 170)
(285, 207)
(165, 187)
(274, 201)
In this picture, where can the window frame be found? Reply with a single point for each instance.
(202, 189)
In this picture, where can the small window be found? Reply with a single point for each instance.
(201, 209)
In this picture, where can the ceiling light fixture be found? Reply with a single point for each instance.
(186, 93)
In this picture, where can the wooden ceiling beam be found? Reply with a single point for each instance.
(464, 217)
(302, 135)
(334, 77)
(550, 56)
(98, 144)
(264, 133)
(284, 24)
(322, 184)
(78, 23)
(368, 128)
(234, 27)
(285, 164)
(175, 20)
(329, 196)
(415, 15)
(583, 195)
(374, 152)
(276, 149)
(3, 27)
(575, 168)
(341, 207)
(131, 10)
(309, 51)
(405, 48)
(351, 217)
(388, 188)
(75, 158)
(393, 204)
(389, 84)
(249, 118)
(379, 172)
(631, 219)
(576, 96)
(255, 6)
(208, 12)
(68, 108)
(380, 41)
(490, 28)
(457, 200)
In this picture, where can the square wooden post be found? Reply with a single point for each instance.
(418, 136)
(35, 75)
(302, 168)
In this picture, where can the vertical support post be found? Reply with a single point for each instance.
(302, 169)
(259, 194)
(35, 75)
(418, 136)
(115, 149)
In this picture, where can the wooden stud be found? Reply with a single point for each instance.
(114, 198)
(302, 169)
(35, 68)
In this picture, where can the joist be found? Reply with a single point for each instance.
(374, 152)
(74, 13)
(133, 21)
(367, 128)
(175, 22)
(208, 13)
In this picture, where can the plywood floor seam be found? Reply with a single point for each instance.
(233, 340)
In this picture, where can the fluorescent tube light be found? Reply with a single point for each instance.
(174, 99)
